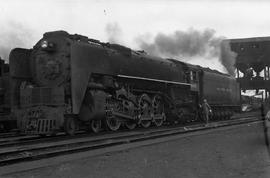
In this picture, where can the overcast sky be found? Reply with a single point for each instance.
(235, 18)
(124, 21)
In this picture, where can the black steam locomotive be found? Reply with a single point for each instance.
(67, 82)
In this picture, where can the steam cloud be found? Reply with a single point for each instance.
(113, 32)
(227, 57)
(201, 48)
(13, 35)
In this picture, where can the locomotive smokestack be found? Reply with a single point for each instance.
(199, 47)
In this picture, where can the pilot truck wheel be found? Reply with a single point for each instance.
(70, 126)
(96, 126)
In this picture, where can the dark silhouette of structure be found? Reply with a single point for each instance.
(252, 63)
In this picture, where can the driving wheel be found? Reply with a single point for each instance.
(113, 123)
(130, 125)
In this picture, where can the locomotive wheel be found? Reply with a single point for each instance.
(95, 126)
(158, 122)
(145, 123)
(158, 109)
(130, 125)
(70, 126)
(145, 109)
(113, 123)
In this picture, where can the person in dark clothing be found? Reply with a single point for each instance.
(206, 110)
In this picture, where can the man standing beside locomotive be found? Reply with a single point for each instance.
(206, 110)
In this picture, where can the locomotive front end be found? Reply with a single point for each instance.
(40, 82)
(41, 110)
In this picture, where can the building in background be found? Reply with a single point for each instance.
(252, 63)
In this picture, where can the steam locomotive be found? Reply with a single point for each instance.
(68, 82)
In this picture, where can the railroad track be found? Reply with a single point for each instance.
(13, 138)
(9, 134)
(27, 150)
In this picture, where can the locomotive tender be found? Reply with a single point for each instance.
(67, 82)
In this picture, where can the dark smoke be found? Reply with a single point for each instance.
(113, 32)
(13, 35)
(227, 57)
(189, 45)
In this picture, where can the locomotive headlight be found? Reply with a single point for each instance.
(48, 46)
(44, 44)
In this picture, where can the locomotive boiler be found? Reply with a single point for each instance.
(68, 82)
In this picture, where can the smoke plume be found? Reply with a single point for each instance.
(13, 35)
(113, 32)
(193, 46)
(227, 56)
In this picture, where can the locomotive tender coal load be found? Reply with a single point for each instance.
(69, 82)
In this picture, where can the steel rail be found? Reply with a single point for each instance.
(28, 139)
(11, 155)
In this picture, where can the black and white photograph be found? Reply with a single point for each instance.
(134, 89)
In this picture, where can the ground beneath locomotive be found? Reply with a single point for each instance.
(232, 152)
